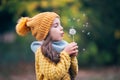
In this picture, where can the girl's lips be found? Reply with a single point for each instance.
(62, 34)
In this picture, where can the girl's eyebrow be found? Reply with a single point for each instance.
(55, 23)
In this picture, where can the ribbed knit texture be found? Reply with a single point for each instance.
(41, 23)
(47, 70)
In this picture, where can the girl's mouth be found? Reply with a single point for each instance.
(62, 34)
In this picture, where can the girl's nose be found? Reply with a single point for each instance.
(61, 28)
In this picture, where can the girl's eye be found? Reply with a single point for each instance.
(56, 25)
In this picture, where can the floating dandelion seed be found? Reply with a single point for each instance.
(87, 24)
(73, 18)
(72, 32)
(78, 20)
(84, 15)
(88, 33)
(83, 25)
(83, 30)
(83, 49)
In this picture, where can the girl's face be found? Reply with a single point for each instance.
(56, 31)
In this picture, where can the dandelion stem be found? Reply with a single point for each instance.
(73, 38)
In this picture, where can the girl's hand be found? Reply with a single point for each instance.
(75, 54)
(72, 49)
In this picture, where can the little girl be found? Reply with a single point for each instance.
(55, 59)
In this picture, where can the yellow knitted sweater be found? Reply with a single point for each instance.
(48, 70)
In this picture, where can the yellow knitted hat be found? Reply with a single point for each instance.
(39, 25)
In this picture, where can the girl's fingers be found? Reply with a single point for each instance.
(74, 51)
(75, 54)
(74, 44)
(75, 47)
(72, 48)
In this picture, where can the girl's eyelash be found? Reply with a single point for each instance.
(56, 25)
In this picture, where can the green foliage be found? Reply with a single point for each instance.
(104, 17)
(93, 57)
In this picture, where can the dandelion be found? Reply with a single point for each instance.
(72, 32)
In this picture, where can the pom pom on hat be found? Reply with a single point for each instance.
(21, 27)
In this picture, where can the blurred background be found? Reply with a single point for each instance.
(98, 36)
